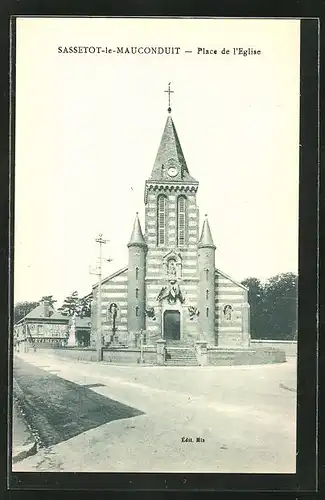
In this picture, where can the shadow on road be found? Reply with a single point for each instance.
(58, 409)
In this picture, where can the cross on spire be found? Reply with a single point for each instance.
(169, 92)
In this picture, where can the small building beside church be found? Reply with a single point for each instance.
(172, 288)
(44, 326)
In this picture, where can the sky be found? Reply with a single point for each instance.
(88, 127)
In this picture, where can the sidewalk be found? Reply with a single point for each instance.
(23, 442)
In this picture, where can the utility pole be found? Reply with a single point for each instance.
(98, 272)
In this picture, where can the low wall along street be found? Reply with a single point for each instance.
(288, 346)
(115, 356)
(258, 353)
(260, 356)
(128, 356)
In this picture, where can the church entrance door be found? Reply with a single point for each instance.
(172, 325)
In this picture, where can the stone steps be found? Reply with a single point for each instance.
(180, 356)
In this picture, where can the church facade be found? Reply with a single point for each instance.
(171, 288)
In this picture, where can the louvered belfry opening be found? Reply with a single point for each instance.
(181, 221)
(161, 220)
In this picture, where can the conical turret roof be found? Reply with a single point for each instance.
(206, 239)
(137, 236)
(169, 155)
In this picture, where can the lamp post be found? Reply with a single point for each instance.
(98, 272)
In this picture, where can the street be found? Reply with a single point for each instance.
(101, 418)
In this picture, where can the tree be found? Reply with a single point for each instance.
(23, 308)
(49, 299)
(273, 307)
(70, 305)
(85, 306)
(258, 312)
(73, 305)
(281, 293)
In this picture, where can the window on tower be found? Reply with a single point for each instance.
(136, 273)
(207, 311)
(207, 294)
(161, 219)
(181, 221)
(137, 293)
(207, 274)
(137, 311)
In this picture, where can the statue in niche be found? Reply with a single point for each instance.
(227, 312)
(113, 308)
(171, 268)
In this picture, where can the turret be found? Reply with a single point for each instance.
(136, 279)
(206, 263)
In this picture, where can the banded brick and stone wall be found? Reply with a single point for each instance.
(231, 330)
(157, 258)
(155, 264)
(114, 289)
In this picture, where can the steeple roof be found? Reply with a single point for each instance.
(170, 154)
(137, 236)
(206, 239)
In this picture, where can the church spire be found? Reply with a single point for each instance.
(137, 238)
(170, 163)
(206, 239)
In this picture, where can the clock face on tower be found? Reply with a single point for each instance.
(172, 171)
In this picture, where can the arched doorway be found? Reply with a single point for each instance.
(172, 325)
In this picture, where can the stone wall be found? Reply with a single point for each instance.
(288, 346)
(228, 357)
(215, 356)
(74, 353)
(119, 356)
(114, 356)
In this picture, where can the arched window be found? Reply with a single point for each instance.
(207, 294)
(161, 219)
(207, 274)
(136, 273)
(137, 293)
(137, 311)
(207, 311)
(181, 221)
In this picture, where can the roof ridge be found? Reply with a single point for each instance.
(120, 271)
(231, 279)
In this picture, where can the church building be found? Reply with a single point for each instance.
(171, 288)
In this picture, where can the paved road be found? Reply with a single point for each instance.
(58, 409)
(134, 419)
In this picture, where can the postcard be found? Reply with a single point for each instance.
(156, 245)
